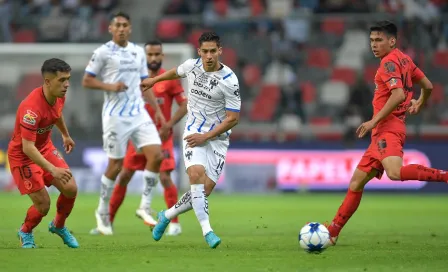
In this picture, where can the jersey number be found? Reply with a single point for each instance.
(220, 166)
(25, 171)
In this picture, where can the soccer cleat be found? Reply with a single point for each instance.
(212, 239)
(161, 226)
(103, 224)
(146, 216)
(26, 239)
(65, 234)
(174, 229)
(333, 239)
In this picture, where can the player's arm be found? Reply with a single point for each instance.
(94, 67)
(60, 124)
(175, 73)
(30, 149)
(396, 98)
(167, 75)
(179, 114)
(426, 90)
(231, 120)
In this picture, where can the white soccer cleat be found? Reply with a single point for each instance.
(174, 229)
(103, 224)
(146, 216)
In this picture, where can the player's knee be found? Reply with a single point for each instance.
(158, 158)
(194, 176)
(356, 185)
(393, 174)
(71, 190)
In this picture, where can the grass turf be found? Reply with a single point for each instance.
(258, 232)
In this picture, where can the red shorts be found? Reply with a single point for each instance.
(383, 145)
(137, 161)
(30, 177)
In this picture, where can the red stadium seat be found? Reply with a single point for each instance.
(344, 74)
(24, 36)
(308, 92)
(229, 57)
(220, 7)
(168, 29)
(440, 59)
(251, 75)
(333, 25)
(28, 83)
(265, 104)
(318, 57)
(256, 7)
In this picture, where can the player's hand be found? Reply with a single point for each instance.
(160, 119)
(118, 87)
(364, 128)
(68, 144)
(62, 174)
(195, 139)
(147, 83)
(164, 132)
(415, 107)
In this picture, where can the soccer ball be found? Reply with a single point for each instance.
(314, 237)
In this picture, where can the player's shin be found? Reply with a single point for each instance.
(183, 205)
(150, 181)
(107, 186)
(170, 195)
(32, 219)
(64, 207)
(346, 210)
(200, 207)
(422, 173)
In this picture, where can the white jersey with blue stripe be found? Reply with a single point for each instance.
(210, 95)
(120, 64)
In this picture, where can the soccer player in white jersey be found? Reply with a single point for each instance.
(121, 66)
(213, 109)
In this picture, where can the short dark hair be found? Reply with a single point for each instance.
(210, 37)
(153, 42)
(55, 65)
(387, 27)
(120, 14)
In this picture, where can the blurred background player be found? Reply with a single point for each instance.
(393, 98)
(165, 92)
(213, 109)
(121, 65)
(35, 162)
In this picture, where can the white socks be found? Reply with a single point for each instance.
(107, 185)
(200, 207)
(150, 181)
(183, 205)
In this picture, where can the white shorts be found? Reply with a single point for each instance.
(211, 155)
(117, 131)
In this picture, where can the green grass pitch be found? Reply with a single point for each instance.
(259, 233)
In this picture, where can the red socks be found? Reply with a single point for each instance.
(346, 210)
(64, 207)
(116, 200)
(422, 173)
(170, 194)
(32, 219)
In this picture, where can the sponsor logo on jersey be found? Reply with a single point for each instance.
(201, 93)
(44, 130)
(30, 118)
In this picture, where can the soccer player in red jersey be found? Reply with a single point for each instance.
(35, 162)
(392, 99)
(165, 93)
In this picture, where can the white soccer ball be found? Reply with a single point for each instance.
(314, 237)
